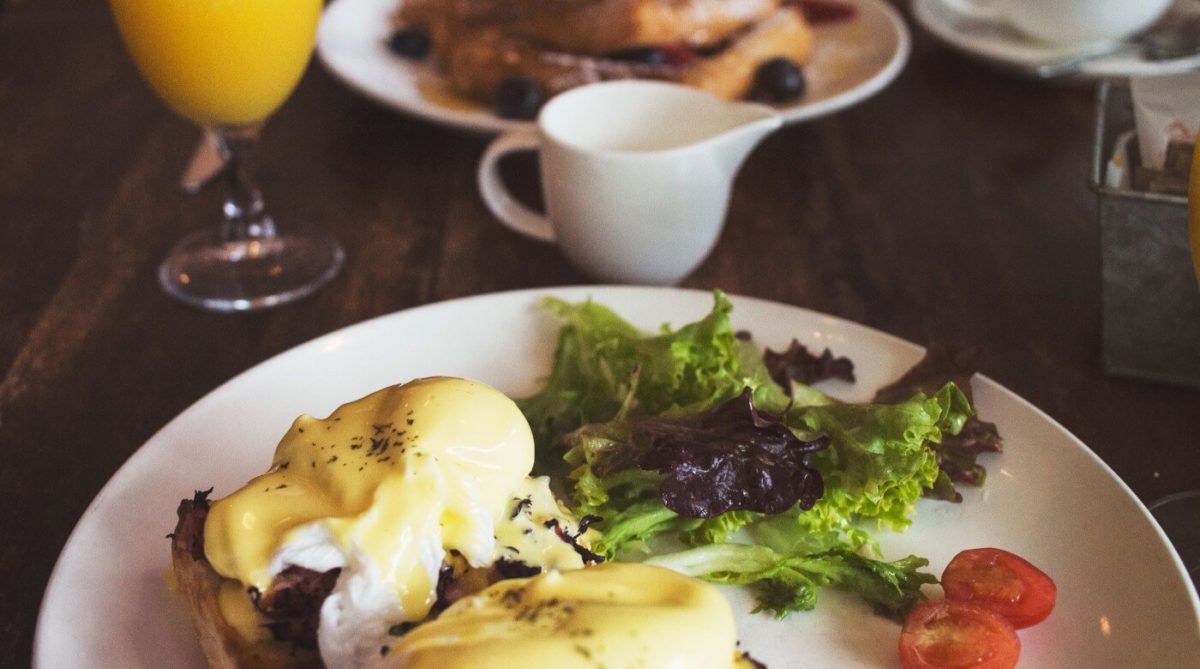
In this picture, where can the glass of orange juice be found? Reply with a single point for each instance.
(227, 65)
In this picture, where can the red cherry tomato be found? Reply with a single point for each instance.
(945, 634)
(1005, 583)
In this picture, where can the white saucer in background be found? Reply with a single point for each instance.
(1004, 46)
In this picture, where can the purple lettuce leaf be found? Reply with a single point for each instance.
(798, 364)
(732, 457)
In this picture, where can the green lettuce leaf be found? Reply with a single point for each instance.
(601, 360)
(627, 530)
(608, 484)
(957, 454)
(721, 529)
(879, 462)
(787, 583)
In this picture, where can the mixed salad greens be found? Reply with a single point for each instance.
(736, 468)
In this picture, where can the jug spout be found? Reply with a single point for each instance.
(751, 124)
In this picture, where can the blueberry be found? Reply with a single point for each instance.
(646, 55)
(409, 42)
(779, 80)
(518, 97)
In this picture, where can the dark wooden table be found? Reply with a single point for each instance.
(952, 207)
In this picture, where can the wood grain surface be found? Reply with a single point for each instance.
(952, 207)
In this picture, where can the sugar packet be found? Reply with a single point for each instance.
(1167, 110)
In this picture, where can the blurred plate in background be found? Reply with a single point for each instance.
(852, 60)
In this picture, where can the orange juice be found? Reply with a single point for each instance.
(220, 62)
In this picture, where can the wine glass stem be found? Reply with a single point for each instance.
(245, 213)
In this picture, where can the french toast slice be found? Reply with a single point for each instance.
(598, 27)
(730, 73)
(476, 60)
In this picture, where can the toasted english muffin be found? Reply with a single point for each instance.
(224, 646)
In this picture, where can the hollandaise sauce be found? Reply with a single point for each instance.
(610, 615)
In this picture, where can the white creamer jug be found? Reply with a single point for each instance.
(636, 176)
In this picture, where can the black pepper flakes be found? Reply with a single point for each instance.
(521, 505)
(510, 598)
(400, 629)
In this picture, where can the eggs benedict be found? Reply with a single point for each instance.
(368, 522)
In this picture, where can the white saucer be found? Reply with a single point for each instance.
(1003, 46)
(852, 60)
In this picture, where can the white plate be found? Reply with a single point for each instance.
(852, 60)
(1124, 599)
(1003, 46)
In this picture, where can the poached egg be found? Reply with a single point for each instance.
(385, 489)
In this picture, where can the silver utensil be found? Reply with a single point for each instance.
(1176, 35)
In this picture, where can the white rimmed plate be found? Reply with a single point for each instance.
(852, 60)
(1003, 46)
(1124, 598)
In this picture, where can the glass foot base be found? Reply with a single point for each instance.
(207, 271)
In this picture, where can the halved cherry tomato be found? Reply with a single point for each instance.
(1005, 583)
(945, 634)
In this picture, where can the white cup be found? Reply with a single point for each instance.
(1067, 22)
(636, 176)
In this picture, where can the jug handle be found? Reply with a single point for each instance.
(495, 195)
